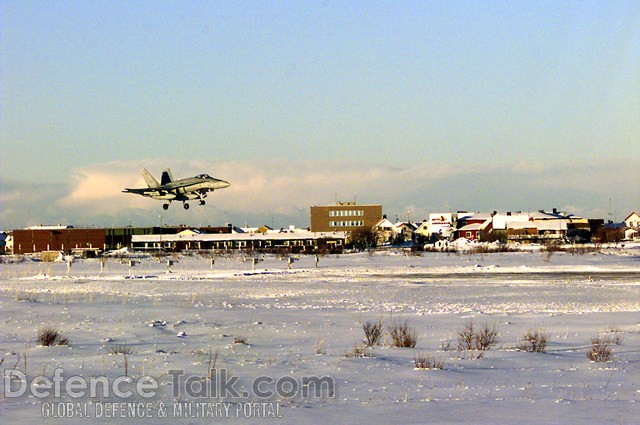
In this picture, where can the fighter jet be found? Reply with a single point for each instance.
(178, 190)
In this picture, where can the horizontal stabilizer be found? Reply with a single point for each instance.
(151, 181)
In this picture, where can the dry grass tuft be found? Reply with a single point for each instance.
(600, 350)
(534, 341)
(427, 362)
(372, 332)
(472, 338)
(402, 335)
(50, 336)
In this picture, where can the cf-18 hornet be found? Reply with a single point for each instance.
(178, 190)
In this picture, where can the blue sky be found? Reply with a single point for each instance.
(483, 100)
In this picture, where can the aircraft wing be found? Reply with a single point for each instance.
(139, 191)
(147, 191)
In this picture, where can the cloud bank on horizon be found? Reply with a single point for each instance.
(279, 192)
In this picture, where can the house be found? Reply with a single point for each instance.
(404, 231)
(632, 234)
(4, 239)
(441, 226)
(632, 223)
(537, 231)
(533, 227)
(502, 220)
(475, 231)
(474, 226)
(385, 231)
(633, 220)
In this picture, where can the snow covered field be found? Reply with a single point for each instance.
(274, 329)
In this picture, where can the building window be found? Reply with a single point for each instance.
(346, 213)
(349, 223)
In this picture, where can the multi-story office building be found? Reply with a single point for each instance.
(344, 217)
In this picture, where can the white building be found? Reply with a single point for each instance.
(443, 225)
(633, 220)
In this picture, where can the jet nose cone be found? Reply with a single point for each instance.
(224, 184)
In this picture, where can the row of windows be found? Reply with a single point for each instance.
(346, 213)
(346, 223)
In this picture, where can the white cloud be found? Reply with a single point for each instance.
(282, 191)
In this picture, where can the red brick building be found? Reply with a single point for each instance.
(67, 238)
(56, 238)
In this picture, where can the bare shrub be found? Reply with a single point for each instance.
(466, 336)
(615, 339)
(486, 337)
(120, 349)
(534, 341)
(548, 250)
(49, 336)
(613, 335)
(241, 340)
(427, 362)
(613, 328)
(612, 339)
(488, 249)
(30, 298)
(372, 332)
(472, 338)
(600, 350)
(319, 347)
(358, 352)
(583, 249)
(211, 365)
(402, 335)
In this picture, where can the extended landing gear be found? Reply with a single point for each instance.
(185, 205)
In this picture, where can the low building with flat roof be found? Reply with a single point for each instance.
(302, 241)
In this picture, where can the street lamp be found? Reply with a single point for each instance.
(160, 217)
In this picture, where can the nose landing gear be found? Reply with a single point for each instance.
(185, 205)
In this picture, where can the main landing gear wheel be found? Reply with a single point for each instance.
(165, 206)
(186, 206)
(201, 202)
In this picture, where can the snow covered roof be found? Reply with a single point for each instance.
(502, 220)
(56, 227)
(470, 227)
(260, 229)
(552, 225)
(405, 224)
(238, 236)
(384, 224)
(545, 225)
(517, 225)
(190, 232)
(474, 216)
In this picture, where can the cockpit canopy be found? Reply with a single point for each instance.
(203, 176)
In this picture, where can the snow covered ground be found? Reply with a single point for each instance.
(274, 329)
